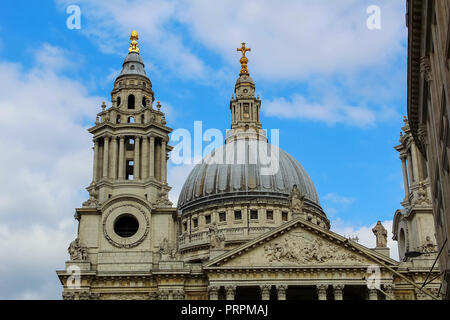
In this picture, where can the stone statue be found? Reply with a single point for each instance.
(92, 202)
(167, 251)
(380, 233)
(162, 201)
(76, 251)
(216, 239)
(428, 246)
(297, 200)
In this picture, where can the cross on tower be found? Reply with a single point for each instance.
(243, 49)
(244, 59)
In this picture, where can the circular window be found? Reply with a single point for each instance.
(126, 226)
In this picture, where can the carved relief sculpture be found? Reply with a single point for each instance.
(422, 195)
(313, 251)
(167, 250)
(76, 251)
(428, 246)
(92, 202)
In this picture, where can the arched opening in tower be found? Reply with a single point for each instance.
(131, 101)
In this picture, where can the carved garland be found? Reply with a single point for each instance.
(130, 245)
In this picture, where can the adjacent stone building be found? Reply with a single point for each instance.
(428, 24)
(248, 225)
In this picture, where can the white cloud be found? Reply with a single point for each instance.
(110, 24)
(52, 58)
(296, 38)
(330, 113)
(291, 39)
(45, 166)
(336, 198)
(365, 234)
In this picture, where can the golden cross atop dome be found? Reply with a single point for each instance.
(244, 59)
(134, 45)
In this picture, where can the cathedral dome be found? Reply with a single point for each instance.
(210, 182)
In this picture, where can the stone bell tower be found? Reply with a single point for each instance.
(413, 226)
(128, 213)
(244, 106)
(130, 138)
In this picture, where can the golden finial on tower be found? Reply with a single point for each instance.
(244, 59)
(134, 45)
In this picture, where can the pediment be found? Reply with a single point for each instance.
(299, 244)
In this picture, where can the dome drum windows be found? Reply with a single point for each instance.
(222, 216)
(269, 215)
(254, 214)
(195, 222)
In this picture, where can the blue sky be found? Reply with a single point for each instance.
(334, 88)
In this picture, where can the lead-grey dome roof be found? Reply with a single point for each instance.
(133, 65)
(209, 181)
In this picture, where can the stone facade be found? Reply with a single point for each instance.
(241, 235)
(428, 24)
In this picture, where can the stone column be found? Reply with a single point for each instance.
(105, 156)
(373, 294)
(281, 290)
(163, 161)
(265, 292)
(415, 162)
(338, 291)
(230, 291)
(152, 157)
(121, 157)
(405, 176)
(137, 157)
(94, 178)
(213, 292)
(144, 173)
(113, 165)
(322, 291)
(410, 170)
